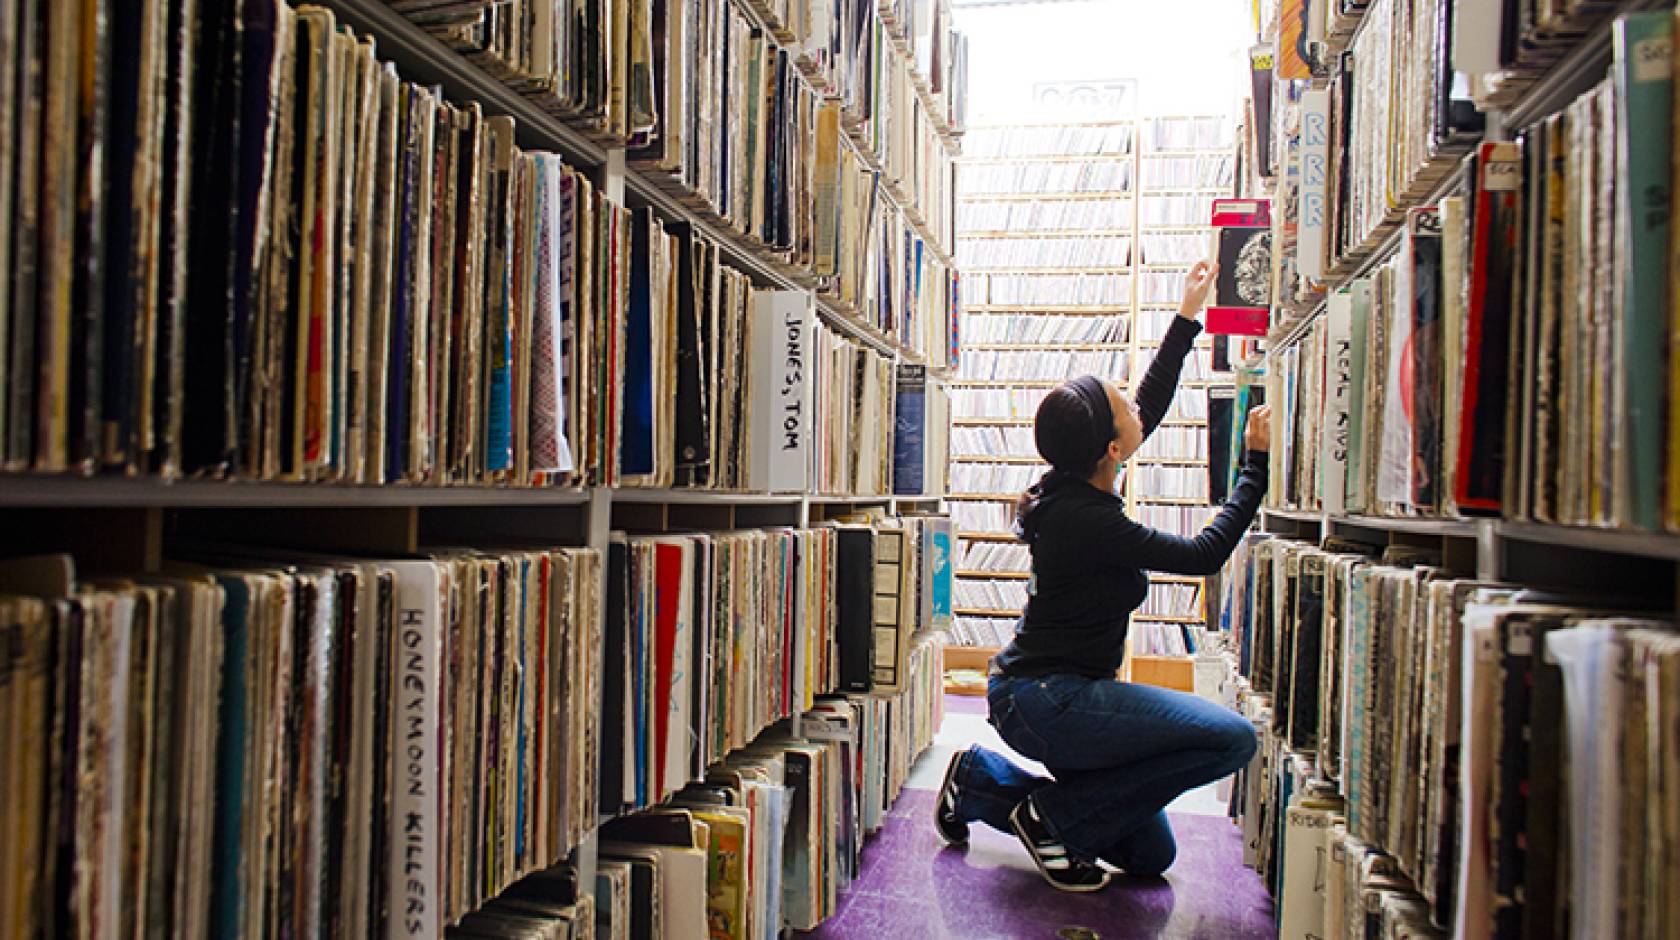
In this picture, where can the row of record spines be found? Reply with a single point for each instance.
(1109, 289)
(1149, 638)
(1025, 329)
(1335, 641)
(1043, 365)
(993, 556)
(1067, 188)
(225, 703)
(645, 144)
(522, 58)
(132, 636)
(1374, 154)
(1380, 59)
(990, 632)
(1173, 443)
(1066, 140)
(1068, 185)
(852, 74)
(894, 123)
(1165, 639)
(154, 413)
(1163, 135)
(1020, 404)
(1046, 215)
(973, 516)
(701, 161)
(1177, 600)
(998, 516)
(1514, 332)
(939, 51)
(1025, 251)
(1018, 440)
(677, 146)
(990, 594)
(983, 597)
(699, 843)
(882, 269)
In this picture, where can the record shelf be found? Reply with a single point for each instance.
(1531, 91)
(1536, 89)
(1038, 190)
(130, 523)
(1046, 232)
(1475, 512)
(1647, 564)
(1211, 173)
(422, 57)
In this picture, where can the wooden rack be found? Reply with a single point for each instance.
(1134, 346)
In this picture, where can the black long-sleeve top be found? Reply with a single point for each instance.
(1090, 560)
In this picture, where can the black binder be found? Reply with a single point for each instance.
(613, 663)
(855, 604)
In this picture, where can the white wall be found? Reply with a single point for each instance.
(1189, 56)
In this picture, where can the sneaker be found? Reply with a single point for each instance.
(1051, 856)
(945, 821)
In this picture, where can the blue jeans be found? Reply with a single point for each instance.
(1119, 754)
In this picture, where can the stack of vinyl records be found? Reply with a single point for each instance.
(569, 64)
(853, 411)
(1478, 371)
(769, 838)
(989, 632)
(921, 434)
(388, 291)
(549, 903)
(709, 639)
(712, 638)
(1414, 729)
(307, 743)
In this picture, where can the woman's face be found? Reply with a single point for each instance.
(1128, 427)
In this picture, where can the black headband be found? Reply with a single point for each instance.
(1090, 390)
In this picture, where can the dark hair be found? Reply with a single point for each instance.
(1072, 429)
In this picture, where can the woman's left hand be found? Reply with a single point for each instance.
(1197, 283)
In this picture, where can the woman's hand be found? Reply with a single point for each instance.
(1257, 435)
(1196, 286)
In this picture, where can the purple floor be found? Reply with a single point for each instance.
(912, 886)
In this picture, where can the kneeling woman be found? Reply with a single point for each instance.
(1118, 752)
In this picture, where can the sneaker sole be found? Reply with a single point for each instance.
(1026, 841)
(939, 803)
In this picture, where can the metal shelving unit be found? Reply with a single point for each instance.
(128, 521)
(1567, 557)
(1546, 79)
